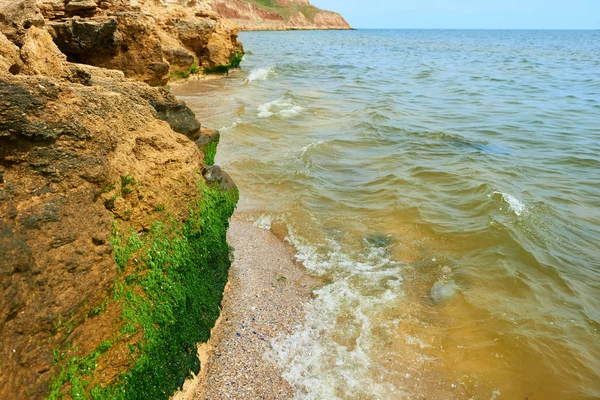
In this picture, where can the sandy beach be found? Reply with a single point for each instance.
(264, 298)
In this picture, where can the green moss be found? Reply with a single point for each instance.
(173, 298)
(210, 152)
(159, 208)
(74, 372)
(127, 180)
(185, 74)
(234, 62)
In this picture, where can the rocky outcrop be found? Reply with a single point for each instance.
(278, 15)
(140, 38)
(113, 256)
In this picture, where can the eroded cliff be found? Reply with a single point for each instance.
(113, 256)
(278, 15)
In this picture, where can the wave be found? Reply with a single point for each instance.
(233, 125)
(514, 204)
(283, 107)
(325, 355)
(261, 74)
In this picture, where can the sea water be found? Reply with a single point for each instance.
(446, 187)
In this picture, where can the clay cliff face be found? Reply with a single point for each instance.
(278, 15)
(112, 218)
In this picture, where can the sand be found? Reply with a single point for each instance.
(264, 298)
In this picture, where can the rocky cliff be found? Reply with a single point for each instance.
(149, 40)
(113, 256)
(278, 15)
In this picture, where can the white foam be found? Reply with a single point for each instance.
(283, 107)
(233, 125)
(326, 355)
(515, 204)
(261, 74)
(304, 149)
(263, 222)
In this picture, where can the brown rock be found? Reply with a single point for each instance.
(41, 56)
(74, 6)
(17, 16)
(60, 145)
(179, 59)
(10, 60)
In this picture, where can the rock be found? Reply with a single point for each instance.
(222, 45)
(214, 175)
(41, 56)
(17, 16)
(61, 144)
(89, 75)
(207, 142)
(179, 59)
(166, 106)
(73, 127)
(74, 6)
(442, 291)
(79, 37)
(128, 42)
(193, 33)
(10, 60)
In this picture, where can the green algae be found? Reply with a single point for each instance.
(171, 289)
(185, 74)
(210, 151)
(234, 62)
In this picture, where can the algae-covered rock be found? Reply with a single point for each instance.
(67, 152)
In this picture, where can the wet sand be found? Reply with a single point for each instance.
(264, 298)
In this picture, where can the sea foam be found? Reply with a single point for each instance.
(314, 358)
(515, 204)
(261, 74)
(282, 107)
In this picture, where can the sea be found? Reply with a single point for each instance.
(444, 185)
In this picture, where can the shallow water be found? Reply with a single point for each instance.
(447, 186)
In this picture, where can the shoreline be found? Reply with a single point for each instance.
(264, 298)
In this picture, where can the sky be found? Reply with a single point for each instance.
(467, 14)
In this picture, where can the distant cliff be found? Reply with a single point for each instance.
(278, 15)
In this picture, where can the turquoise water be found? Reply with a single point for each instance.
(446, 185)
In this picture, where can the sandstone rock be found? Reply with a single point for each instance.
(222, 45)
(80, 37)
(89, 75)
(179, 59)
(17, 16)
(74, 6)
(41, 56)
(128, 42)
(60, 145)
(10, 60)
(70, 133)
(194, 34)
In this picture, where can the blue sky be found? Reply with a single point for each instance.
(468, 14)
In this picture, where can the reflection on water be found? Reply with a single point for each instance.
(446, 185)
